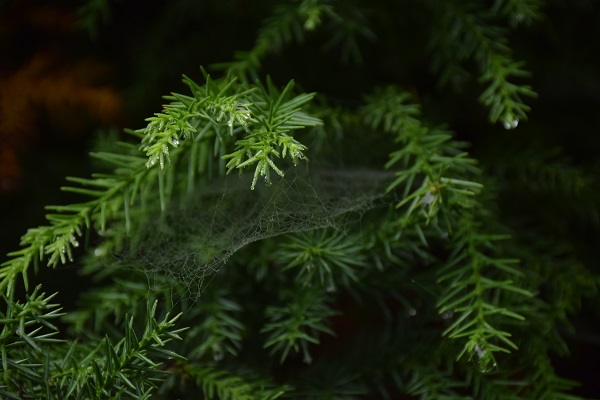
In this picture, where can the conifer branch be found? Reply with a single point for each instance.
(332, 383)
(466, 33)
(276, 115)
(519, 11)
(27, 330)
(433, 384)
(105, 308)
(223, 385)
(186, 120)
(195, 118)
(297, 324)
(35, 364)
(542, 171)
(218, 331)
(470, 276)
(429, 157)
(57, 241)
(288, 23)
(545, 384)
(349, 24)
(92, 14)
(323, 258)
(127, 368)
(432, 164)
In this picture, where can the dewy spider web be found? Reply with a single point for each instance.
(199, 232)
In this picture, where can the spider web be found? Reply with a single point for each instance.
(197, 234)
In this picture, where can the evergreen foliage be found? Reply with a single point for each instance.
(368, 255)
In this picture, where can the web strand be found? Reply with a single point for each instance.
(200, 232)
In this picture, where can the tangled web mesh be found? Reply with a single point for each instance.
(198, 233)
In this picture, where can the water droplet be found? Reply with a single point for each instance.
(412, 312)
(99, 252)
(480, 352)
(331, 287)
(75, 243)
(511, 124)
(485, 366)
(63, 249)
(218, 355)
(447, 315)
(429, 198)
(485, 361)
(175, 142)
